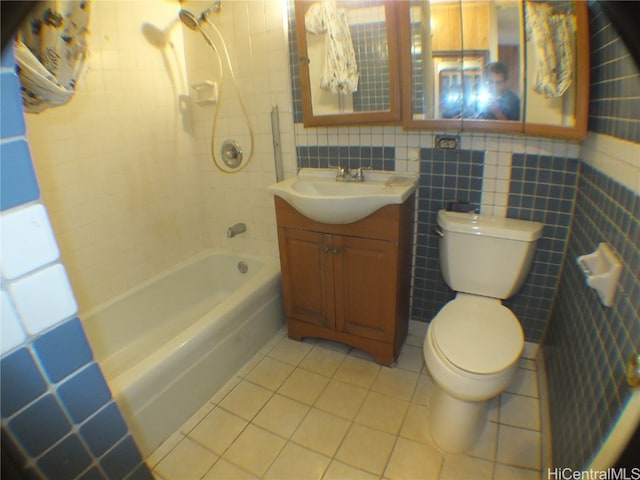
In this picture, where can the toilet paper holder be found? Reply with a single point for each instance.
(602, 272)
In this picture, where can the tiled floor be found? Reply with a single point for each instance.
(317, 409)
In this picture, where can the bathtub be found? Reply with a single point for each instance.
(169, 344)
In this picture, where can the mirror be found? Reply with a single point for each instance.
(470, 65)
(466, 64)
(348, 58)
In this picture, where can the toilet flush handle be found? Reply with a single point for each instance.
(438, 231)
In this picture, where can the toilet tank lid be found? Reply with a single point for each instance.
(499, 227)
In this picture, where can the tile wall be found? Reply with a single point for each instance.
(116, 165)
(256, 41)
(58, 418)
(497, 173)
(587, 344)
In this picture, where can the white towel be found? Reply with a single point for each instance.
(340, 73)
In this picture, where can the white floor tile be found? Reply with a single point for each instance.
(412, 460)
(346, 418)
(297, 463)
(520, 411)
(304, 386)
(246, 399)
(357, 371)
(290, 351)
(341, 399)
(225, 470)
(396, 382)
(457, 467)
(321, 431)
(519, 447)
(281, 415)
(270, 373)
(366, 448)
(323, 361)
(218, 430)
(186, 460)
(255, 449)
(382, 412)
(525, 382)
(341, 471)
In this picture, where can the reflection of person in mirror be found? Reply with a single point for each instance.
(502, 104)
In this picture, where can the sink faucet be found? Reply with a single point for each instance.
(344, 175)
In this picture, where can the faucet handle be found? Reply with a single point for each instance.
(341, 170)
(358, 174)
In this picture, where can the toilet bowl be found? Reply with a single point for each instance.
(471, 349)
(472, 346)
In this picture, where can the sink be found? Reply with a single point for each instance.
(316, 194)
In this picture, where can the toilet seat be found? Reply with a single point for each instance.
(478, 335)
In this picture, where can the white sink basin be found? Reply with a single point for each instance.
(316, 194)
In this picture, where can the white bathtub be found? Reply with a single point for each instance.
(168, 345)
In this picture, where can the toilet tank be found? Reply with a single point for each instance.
(485, 255)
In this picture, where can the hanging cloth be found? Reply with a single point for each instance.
(340, 73)
(51, 52)
(553, 47)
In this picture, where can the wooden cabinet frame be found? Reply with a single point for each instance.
(348, 283)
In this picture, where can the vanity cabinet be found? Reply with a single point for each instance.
(348, 283)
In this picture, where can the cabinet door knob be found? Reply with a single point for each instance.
(326, 249)
(336, 251)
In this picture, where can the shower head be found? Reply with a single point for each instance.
(189, 19)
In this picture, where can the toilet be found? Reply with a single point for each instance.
(472, 346)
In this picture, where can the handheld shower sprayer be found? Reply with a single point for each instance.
(191, 21)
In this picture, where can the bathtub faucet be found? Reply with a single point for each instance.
(236, 229)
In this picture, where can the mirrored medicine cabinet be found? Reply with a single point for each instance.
(512, 66)
(349, 63)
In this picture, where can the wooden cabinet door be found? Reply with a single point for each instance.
(365, 273)
(307, 276)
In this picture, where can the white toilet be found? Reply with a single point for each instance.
(473, 344)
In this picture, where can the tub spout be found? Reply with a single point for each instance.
(236, 229)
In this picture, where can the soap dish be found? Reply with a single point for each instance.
(602, 271)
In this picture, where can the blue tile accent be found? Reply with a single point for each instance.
(92, 474)
(7, 60)
(66, 460)
(18, 182)
(122, 460)
(68, 338)
(587, 344)
(444, 177)
(39, 426)
(11, 450)
(542, 189)
(11, 117)
(317, 156)
(104, 430)
(141, 473)
(84, 393)
(21, 381)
